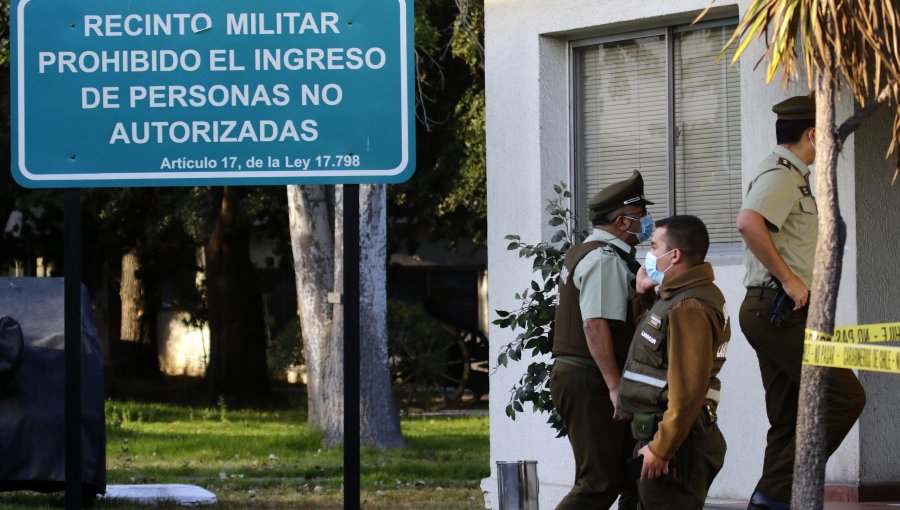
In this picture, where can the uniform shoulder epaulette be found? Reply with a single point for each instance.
(804, 190)
(782, 161)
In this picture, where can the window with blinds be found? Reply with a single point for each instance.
(664, 105)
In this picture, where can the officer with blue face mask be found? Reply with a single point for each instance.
(594, 324)
(670, 383)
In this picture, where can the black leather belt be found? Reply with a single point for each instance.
(761, 292)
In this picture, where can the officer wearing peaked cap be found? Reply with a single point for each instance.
(619, 194)
(779, 224)
(595, 320)
(796, 108)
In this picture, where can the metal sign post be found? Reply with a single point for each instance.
(72, 257)
(351, 348)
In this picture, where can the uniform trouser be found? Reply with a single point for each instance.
(600, 444)
(691, 471)
(780, 353)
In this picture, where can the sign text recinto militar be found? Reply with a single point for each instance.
(211, 92)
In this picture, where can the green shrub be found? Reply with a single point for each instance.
(535, 317)
(419, 347)
(286, 349)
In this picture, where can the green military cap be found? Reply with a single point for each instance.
(619, 194)
(796, 108)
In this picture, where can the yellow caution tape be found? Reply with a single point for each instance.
(849, 347)
(862, 334)
(880, 358)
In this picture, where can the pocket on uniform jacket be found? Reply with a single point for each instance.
(651, 353)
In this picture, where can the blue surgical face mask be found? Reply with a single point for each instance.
(652, 271)
(646, 227)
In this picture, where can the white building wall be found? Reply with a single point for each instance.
(528, 150)
(879, 279)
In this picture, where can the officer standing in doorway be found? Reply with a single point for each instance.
(670, 384)
(778, 222)
(594, 324)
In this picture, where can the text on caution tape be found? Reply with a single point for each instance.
(860, 357)
(861, 334)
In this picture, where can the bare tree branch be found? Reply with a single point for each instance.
(853, 122)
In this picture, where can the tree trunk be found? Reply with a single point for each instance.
(132, 298)
(237, 366)
(337, 308)
(380, 424)
(318, 262)
(809, 464)
(311, 217)
(136, 353)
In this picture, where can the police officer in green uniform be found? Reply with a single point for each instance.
(670, 384)
(594, 323)
(778, 222)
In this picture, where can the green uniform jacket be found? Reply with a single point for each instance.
(675, 356)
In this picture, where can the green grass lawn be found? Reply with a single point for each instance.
(271, 459)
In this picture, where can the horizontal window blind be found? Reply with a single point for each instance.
(622, 91)
(623, 116)
(708, 132)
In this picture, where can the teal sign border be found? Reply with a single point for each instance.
(73, 172)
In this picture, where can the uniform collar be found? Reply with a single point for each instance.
(790, 156)
(602, 235)
(693, 277)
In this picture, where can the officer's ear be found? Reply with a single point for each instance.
(676, 256)
(614, 219)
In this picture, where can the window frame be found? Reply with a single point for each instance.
(578, 178)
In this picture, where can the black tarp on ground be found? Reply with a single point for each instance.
(32, 407)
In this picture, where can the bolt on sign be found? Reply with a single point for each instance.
(211, 92)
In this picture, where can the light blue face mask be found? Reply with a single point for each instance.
(646, 227)
(650, 264)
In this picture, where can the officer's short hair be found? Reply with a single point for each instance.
(688, 234)
(790, 131)
(602, 219)
(607, 218)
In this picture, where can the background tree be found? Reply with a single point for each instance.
(850, 43)
(316, 219)
(447, 196)
(316, 240)
(152, 238)
(140, 242)
(237, 340)
(380, 423)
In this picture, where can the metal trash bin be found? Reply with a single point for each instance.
(517, 484)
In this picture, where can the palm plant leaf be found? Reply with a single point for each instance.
(856, 43)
